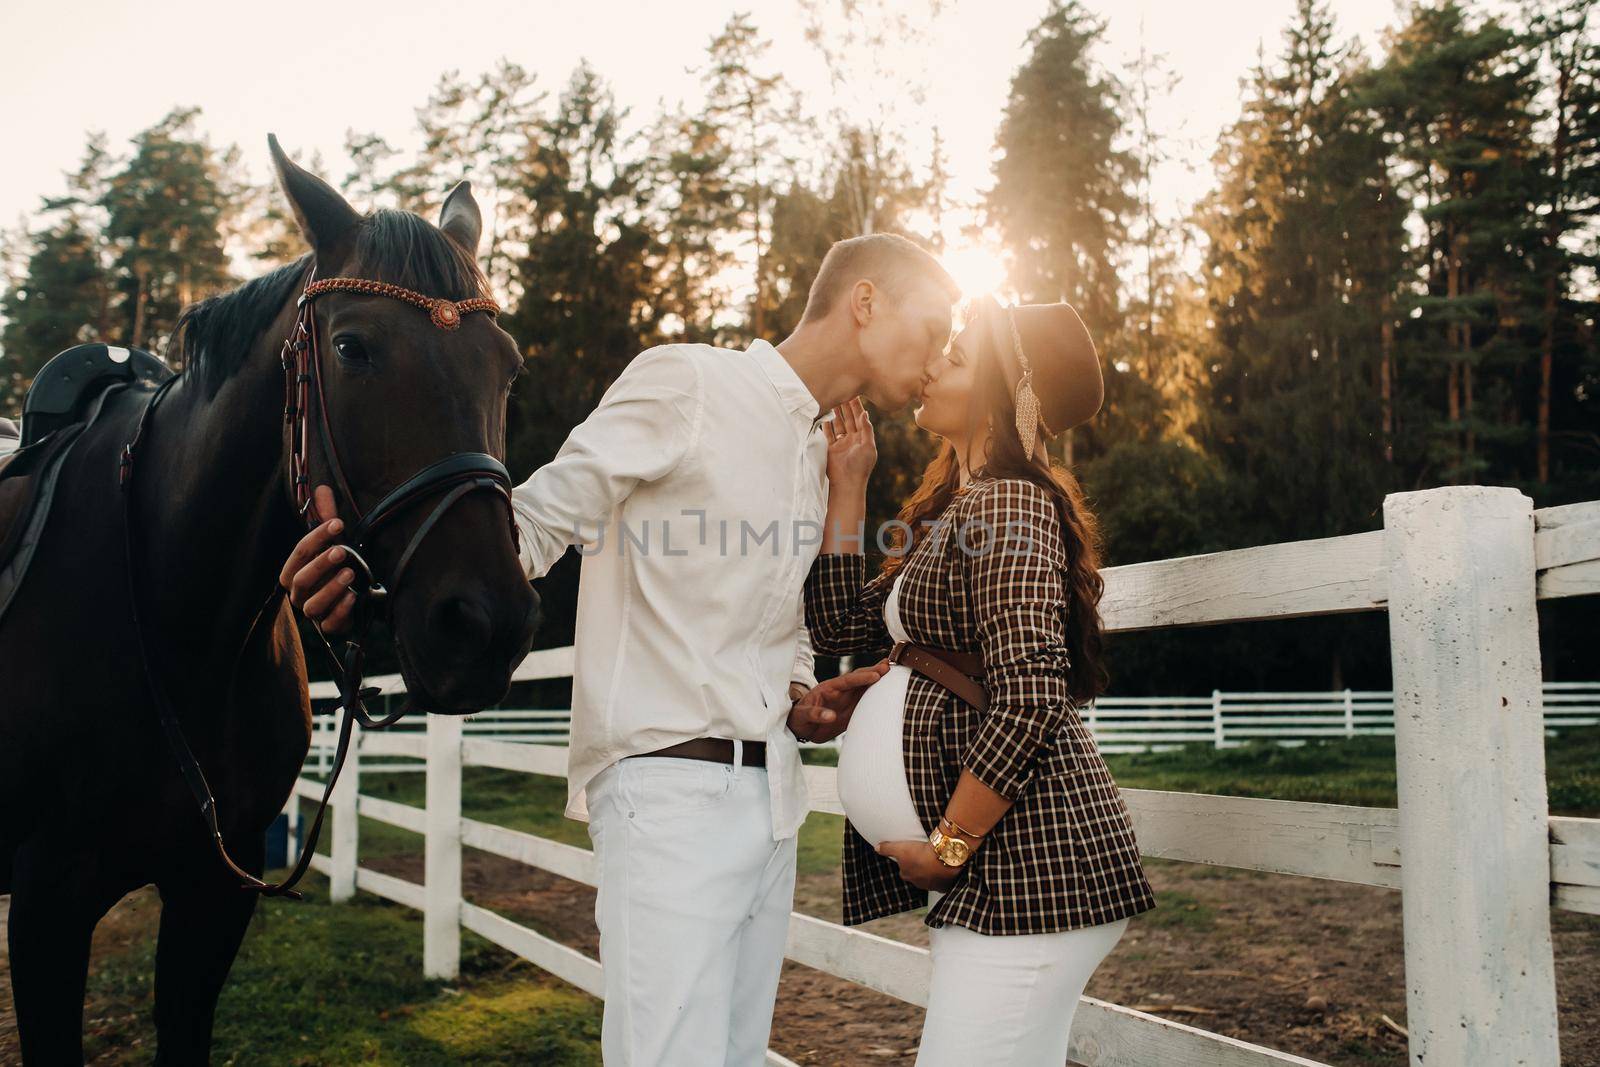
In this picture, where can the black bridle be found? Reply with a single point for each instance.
(455, 476)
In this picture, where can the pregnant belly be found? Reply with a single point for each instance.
(872, 770)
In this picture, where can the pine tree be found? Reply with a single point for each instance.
(697, 217)
(59, 285)
(165, 211)
(368, 183)
(1455, 97)
(84, 206)
(1302, 258)
(1062, 196)
(937, 189)
(53, 305)
(752, 113)
(875, 104)
(258, 225)
(589, 277)
(1155, 353)
(476, 129)
(1564, 37)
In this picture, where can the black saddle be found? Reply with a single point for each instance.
(65, 387)
(65, 399)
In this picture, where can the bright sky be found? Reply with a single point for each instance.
(310, 71)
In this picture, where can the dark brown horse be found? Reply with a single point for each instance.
(92, 804)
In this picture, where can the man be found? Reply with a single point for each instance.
(697, 490)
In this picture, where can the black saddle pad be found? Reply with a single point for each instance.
(28, 481)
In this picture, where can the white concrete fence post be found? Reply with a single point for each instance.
(1217, 736)
(441, 916)
(1469, 748)
(346, 826)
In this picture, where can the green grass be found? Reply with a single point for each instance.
(821, 837)
(532, 803)
(317, 984)
(1177, 909)
(1359, 770)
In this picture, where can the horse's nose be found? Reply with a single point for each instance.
(461, 627)
(470, 630)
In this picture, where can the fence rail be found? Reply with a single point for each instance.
(1478, 859)
(1119, 724)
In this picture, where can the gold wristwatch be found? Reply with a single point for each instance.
(951, 850)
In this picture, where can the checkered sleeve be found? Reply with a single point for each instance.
(1015, 562)
(844, 611)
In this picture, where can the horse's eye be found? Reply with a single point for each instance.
(350, 348)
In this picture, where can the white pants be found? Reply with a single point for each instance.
(1008, 1000)
(693, 911)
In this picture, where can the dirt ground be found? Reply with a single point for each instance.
(128, 923)
(1240, 953)
(1236, 952)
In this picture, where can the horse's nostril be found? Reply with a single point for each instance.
(461, 622)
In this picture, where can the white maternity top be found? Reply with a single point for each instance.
(872, 768)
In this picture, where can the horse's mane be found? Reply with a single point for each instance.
(216, 334)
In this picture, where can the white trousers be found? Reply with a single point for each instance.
(1008, 1000)
(693, 911)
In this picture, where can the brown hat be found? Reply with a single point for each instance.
(1051, 365)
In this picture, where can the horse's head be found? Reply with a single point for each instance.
(402, 388)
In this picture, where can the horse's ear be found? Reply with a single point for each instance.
(326, 220)
(461, 219)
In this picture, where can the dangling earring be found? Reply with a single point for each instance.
(1024, 398)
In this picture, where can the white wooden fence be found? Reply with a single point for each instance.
(1472, 848)
(1119, 724)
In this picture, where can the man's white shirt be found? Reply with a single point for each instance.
(696, 491)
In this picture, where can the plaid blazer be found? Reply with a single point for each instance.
(989, 576)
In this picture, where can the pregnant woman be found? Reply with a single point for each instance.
(966, 770)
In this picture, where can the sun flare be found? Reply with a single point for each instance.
(977, 268)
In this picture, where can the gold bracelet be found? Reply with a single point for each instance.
(958, 828)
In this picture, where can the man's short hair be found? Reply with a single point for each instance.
(887, 260)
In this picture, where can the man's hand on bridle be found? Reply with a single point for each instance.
(824, 711)
(317, 586)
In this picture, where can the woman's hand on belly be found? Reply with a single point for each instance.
(920, 865)
(823, 713)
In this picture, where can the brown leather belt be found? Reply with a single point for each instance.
(959, 672)
(714, 750)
